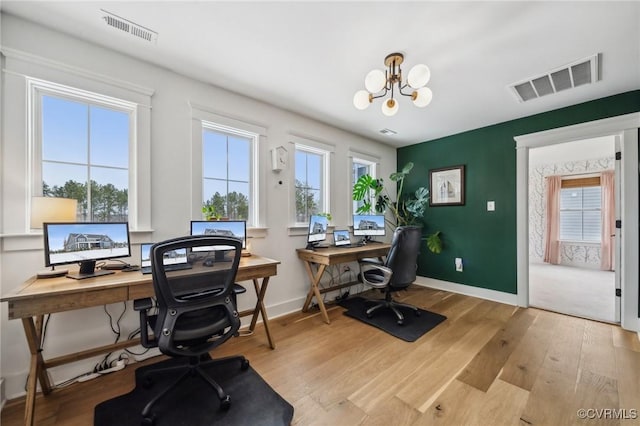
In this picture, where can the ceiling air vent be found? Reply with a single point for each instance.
(584, 71)
(388, 132)
(128, 27)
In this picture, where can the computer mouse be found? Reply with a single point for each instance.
(208, 262)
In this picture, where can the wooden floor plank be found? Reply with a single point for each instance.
(347, 373)
(628, 378)
(521, 369)
(486, 364)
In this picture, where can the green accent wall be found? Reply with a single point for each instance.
(486, 241)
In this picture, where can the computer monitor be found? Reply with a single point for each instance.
(223, 228)
(368, 225)
(85, 243)
(317, 230)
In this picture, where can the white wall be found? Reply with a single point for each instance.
(171, 211)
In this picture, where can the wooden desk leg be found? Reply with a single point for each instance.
(261, 290)
(314, 290)
(37, 371)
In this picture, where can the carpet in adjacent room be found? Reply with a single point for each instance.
(194, 403)
(384, 319)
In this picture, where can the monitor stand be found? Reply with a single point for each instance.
(88, 270)
(367, 239)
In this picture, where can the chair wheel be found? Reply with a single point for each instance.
(148, 421)
(225, 403)
(245, 365)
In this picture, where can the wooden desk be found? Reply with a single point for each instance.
(323, 257)
(36, 298)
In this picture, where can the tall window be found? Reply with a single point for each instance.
(580, 210)
(360, 167)
(84, 151)
(311, 182)
(227, 171)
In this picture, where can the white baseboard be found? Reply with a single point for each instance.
(467, 290)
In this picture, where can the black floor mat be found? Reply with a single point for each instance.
(384, 319)
(194, 403)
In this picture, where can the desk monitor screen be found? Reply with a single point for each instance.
(223, 228)
(85, 243)
(341, 238)
(366, 225)
(173, 260)
(317, 230)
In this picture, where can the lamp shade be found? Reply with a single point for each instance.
(375, 81)
(419, 76)
(390, 107)
(361, 99)
(51, 209)
(423, 97)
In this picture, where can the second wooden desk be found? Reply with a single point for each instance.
(320, 258)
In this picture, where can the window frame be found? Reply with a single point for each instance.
(203, 118)
(372, 164)
(136, 105)
(41, 90)
(325, 151)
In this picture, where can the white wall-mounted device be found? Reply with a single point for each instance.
(279, 158)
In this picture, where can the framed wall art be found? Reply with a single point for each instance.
(446, 186)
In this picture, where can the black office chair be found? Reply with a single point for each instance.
(396, 273)
(196, 311)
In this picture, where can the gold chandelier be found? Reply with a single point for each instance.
(379, 84)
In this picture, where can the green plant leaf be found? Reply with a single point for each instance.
(362, 186)
(434, 243)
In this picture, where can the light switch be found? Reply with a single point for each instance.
(491, 206)
(459, 264)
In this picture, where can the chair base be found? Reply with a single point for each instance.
(389, 303)
(193, 369)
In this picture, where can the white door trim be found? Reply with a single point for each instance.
(624, 126)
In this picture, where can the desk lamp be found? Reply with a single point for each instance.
(51, 209)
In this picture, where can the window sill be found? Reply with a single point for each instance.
(580, 243)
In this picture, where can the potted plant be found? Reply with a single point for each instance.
(405, 211)
(210, 212)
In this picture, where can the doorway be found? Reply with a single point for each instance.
(625, 129)
(574, 284)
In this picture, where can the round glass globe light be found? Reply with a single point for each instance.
(390, 107)
(423, 98)
(375, 81)
(361, 99)
(418, 76)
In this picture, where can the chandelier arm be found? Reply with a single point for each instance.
(380, 95)
(402, 93)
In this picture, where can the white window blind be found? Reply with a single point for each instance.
(580, 216)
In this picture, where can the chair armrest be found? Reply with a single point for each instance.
(375, 275)
(142, 304)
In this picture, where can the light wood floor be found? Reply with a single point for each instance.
(488, 364)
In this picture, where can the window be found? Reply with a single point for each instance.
(224, 158)
(227, 157)
(580, 215)
(311, 182)
(360, 167)
(83, 142)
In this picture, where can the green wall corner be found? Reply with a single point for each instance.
(486, 241)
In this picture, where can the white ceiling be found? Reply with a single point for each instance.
(311, 57)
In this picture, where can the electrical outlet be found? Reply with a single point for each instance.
(459, 264)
